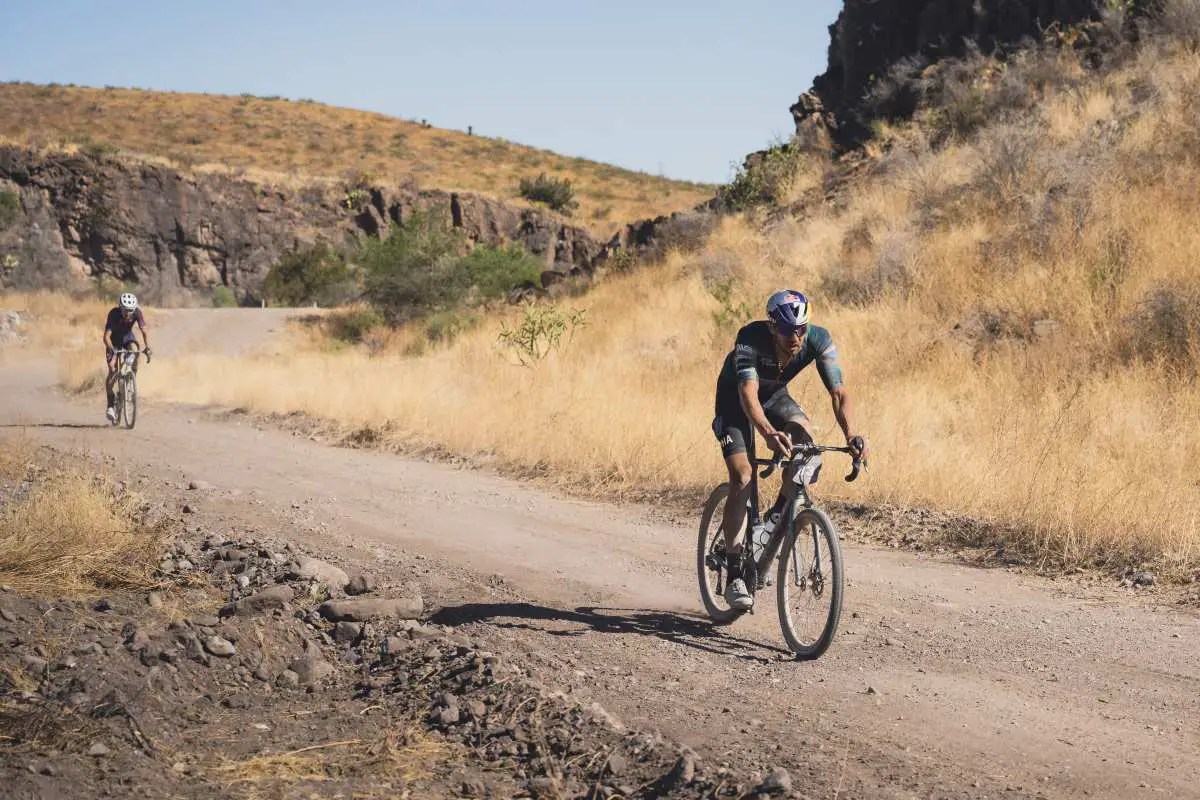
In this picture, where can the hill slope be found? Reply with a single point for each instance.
(306, 140)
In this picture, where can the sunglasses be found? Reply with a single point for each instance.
(784, 330)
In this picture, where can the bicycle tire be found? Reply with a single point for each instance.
(808, 521)
(129, 401)
(718, 611)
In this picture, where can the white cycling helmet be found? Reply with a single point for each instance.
(129, 301)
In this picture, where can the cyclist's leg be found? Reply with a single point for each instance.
(110, 357)
(732, 430)
(784, 412)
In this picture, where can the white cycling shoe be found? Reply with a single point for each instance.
(738, 597)
(111, 414)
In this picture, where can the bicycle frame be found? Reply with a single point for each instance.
(796, 499)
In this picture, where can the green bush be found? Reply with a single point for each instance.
(352, 324)
(764, 179)
(553, 192)
(493, 271)
(445, 326)
(223, 297)
(313, 275)
(415, 270)
(542, 329)
(10, 206)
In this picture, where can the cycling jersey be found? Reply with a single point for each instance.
(122, 329)
(753, 358)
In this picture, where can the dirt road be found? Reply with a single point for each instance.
(945, 680)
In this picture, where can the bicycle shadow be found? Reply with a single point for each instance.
(689, 630)
(66, 425)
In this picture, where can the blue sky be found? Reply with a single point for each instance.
(686, 89)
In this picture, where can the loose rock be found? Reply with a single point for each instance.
(219, 646)
(778, 781)
(360, 584)
(361, 610)
(315, 569)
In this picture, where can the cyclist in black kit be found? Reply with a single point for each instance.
(752, 396)
(118, 334)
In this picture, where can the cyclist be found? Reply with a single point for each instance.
(119, 334)
(752, 396)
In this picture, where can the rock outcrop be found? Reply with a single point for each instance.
(175, 236)
(870, 36)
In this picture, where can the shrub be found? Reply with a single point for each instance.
(10, 206)
(352, 324)
(553, 192)
(223, 297)
(734, 311)
(415, 270)
(765, 178)
(313, 275)
(98, 150)
(493, 271)
(1166, 329)
(1180, 20)
(445, 326)
(541, 330)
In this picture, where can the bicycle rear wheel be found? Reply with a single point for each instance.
(809, 587)
(129, 401)
(710, 559)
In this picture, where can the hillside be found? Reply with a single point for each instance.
(305, 140)
(1009, 275)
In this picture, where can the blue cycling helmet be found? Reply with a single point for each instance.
(788, 309)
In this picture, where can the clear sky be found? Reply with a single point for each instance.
(682, 88)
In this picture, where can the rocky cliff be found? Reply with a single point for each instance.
(72, 219)
(870, 36)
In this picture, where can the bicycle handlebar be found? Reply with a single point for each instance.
(125, 351)
(809, 450)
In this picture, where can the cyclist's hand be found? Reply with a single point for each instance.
(858, 446)
(148, 353)
(780, 442)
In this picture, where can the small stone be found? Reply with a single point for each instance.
(8, 615)
(167, 566)
(261, 674)
(103, 604)
(778, 781)
(1144, 579)
(682, 773)
(219, 646)
(48, 769)
(449, 715)
(617, 764)
(477, 709)
(205, 620)
(154, 600)
(199, 486)
(243, 581)
(99, 750)
(872, 690)
(360, 584)
(395, 644)
(347, 632)
(315, 569)
(183, 565)
(187, 509)
(288, 679)
(269, 599)
(90, 649)
(473, 787)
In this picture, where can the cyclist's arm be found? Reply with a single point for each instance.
(831, 375)
(141, 323)
(748, 394)
(108, 345)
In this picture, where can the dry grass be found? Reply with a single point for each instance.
(74, 533)
(300, 141)
(1078, 444)
(405, 756)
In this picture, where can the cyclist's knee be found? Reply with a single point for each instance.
(799, 431)
(740, 473)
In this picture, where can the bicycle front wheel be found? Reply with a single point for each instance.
(809, 588)
(710, 559)
(129, 401)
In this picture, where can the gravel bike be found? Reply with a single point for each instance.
(125, 387)
(808, 586)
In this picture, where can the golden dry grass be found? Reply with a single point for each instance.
(1077, 436)
(72, 534)
(403, 756)
(298, 141)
